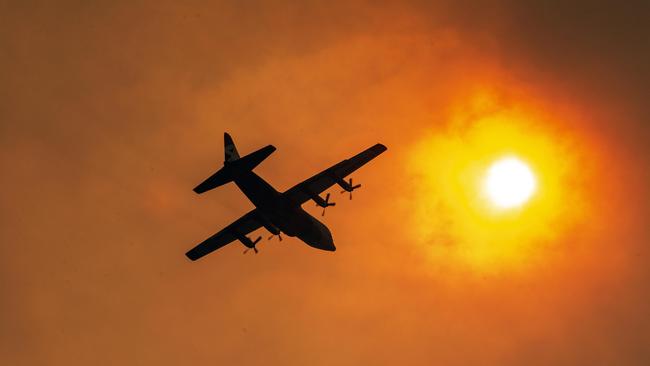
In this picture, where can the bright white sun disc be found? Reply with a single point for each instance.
(509, 182)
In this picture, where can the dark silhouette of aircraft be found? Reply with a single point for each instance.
(278, 212)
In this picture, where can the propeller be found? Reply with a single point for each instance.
(252, 245)
(279, 235)
(350, 188)
(325, 204)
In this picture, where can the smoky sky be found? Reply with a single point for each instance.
(111, 112)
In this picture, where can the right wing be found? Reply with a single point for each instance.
(302, 192)
(242, 227)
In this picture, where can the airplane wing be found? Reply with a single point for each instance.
(304, 191)
(243, 226)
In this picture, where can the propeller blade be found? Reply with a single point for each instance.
(279, 235)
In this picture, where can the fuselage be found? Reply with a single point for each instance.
(280, 213)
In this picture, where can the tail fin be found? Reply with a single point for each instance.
(234, 165)
(230, 150)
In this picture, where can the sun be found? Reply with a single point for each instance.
(496, 187)
(509, 182)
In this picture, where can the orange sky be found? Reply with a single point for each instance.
(111, 113)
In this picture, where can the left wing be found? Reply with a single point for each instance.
(315, 185)
(238, 229)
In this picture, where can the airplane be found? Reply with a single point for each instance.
(277, 212)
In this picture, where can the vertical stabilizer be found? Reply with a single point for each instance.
(230, 150)
(234, 166)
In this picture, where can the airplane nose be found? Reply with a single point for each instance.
(317, 235)
(329, 243)
(320, 239)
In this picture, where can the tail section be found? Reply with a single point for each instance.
(233, 165)
(221, 177)
(230, 150)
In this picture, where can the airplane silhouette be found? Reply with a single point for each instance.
(278, 212)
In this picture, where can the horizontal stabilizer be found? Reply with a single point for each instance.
(250, 161)
(234, 167)
(221, 177)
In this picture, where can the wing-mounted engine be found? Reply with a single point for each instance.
(250, 244)
(274, 230)
(324, 203)
(347, 186)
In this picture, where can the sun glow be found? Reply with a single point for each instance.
(509, 182)
(496, 179)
